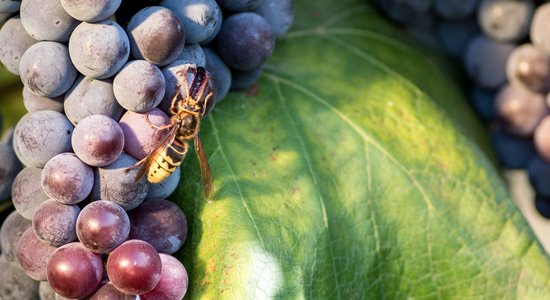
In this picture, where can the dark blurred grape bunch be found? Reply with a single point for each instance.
(96, 74)
(504, 46)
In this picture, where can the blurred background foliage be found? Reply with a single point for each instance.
(11, 110)
(11, 100)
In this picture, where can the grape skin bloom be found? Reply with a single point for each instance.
(105, 40)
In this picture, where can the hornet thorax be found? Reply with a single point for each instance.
(189, 125)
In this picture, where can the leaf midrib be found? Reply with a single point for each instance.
(321, 199)
(234, 178)
(368, 139)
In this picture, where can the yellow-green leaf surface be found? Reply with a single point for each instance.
(352, 172)
(11, 100)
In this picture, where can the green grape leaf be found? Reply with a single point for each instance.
(353, 170)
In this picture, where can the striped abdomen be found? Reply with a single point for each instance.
(166, 162)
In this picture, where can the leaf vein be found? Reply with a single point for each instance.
(426, 199)
(316, 185)
(234, 179)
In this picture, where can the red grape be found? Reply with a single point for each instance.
(98, 140)
(66, 179)
(102, 226)
(173, 281)
(74, 271)
(134, 267)
(54, 223)
(33, 255)
(109, 292)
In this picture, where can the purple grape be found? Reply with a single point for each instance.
(239, 5)
(156, 35)
(74, 271)
(117, 183)
(14, 283)
(542, 204)
(241, 80)
(245, 41)
(513, 152)
(422, 30)
(109, 292)
(140, 138)
(221, 74)
(90, 10)
(47, 20)
(168, 235)
(485, 61)
(278, 13)
(27, 193)
(214, 35)
(10, 234)
(540, 28)
(46, 69)
(483, 101)
(200, 18)
(520, 110)
(33, 255)
(455, 9)
(529, 67)
(66, 179)
(193, 54)
(8, 170)
(54, 223)
(139, 86)
(165, 188)
(98, 140)
(90, 96)
(505, 20)
(173, 280)
(14, 41)
(41, 135)
(539, 175)
(34, 103)
(102, 226)
(99, 50)
(542, 143)
(405, 11)
(453, 36)
(134, 267)
(9, 6)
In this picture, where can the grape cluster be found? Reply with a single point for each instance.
(99, 77)
(505, 48)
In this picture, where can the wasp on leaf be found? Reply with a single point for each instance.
(189, 105)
